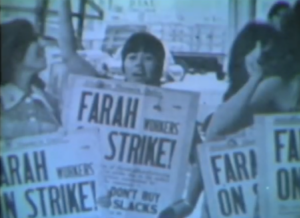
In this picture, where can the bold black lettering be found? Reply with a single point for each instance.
(296, 183)
(93, 116)
(150, 151)
(31, 203)
(278, 144)
(13, 164)
(112, 146)
(161, 152)
(229, 169)
(240, 162)
(255, 188)
(224, 202)
(83, 196)
(28, 170)
(123, 144)
(8, 205)
(238, 200)
(294, 153)
(4, 175)
(131, 112)
(143, 144)
(107, 104)
(118, 204)
(253, 163)
(133, 153)
(54, 198)
(82, 105)
(215, 167)
(64, 202)
(40, 166)
(42, 200)
(117, 119)
(283, 184)
(72, 198)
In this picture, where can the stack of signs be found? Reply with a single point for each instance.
(50, 176)
(228, 167)
(146, 135)
(278, 139)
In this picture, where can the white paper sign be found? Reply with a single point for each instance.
(279, 165)
(50, 178)
(146, 134)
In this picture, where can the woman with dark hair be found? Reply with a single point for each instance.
(273, 87)
(264, 77)
(267, 33)
(25, 108)
(143, 57)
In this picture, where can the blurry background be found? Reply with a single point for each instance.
(197, 33)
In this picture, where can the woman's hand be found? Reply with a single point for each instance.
(251, 61)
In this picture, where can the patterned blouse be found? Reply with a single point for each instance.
(25, 114)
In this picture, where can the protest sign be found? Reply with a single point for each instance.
(278, 144)
(49, 176)
(146, 135)
(228, 167)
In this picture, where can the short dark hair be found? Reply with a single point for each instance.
(148, 43)
(16, 36)
(276, 7)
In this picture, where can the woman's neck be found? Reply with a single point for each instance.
(22, 80)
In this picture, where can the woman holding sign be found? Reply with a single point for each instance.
(269, 83)
(26, 109)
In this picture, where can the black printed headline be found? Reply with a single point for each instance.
(42, 198)
(123, 111)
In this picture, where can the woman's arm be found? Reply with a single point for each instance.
(67, 40)
(67, 43)
(235, 113)
(254, 97)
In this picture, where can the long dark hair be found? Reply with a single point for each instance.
(243, 44)
(274, 61)
(16, 37)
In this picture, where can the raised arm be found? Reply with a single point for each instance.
(67, 43)
(67, 40)
(237, 112)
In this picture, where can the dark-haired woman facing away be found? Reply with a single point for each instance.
(25, 108)
(260, 68)
(273, 86)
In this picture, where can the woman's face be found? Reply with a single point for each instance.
(34, 59)
(140, 67)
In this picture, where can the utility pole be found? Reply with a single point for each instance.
(40, 15)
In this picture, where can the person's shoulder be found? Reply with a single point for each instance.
(259, 26)
(270, 86)
(272, 82)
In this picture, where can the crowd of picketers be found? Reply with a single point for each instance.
(263, 73)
